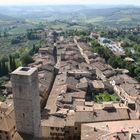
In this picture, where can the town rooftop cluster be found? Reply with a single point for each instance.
(70, 79)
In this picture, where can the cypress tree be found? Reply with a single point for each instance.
(0, 69)
(4, 68)
(10, 62)
(13, 64)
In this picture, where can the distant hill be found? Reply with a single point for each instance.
(113, 16)
(7, 21)
(108, 15)
(6, 18)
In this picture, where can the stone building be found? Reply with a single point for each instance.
(7, 121)
(138, 107)
(118, 130)
(26, 100)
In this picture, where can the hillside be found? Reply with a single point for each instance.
(7, 21)
(94, 14)
(113, 16)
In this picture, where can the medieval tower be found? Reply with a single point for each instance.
(26, 100)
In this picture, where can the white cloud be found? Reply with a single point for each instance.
(41, 2)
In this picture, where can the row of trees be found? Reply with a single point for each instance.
(75, 32)
(26, 57)
(3, 68)
(8, 64)
(33, 34)
(30, 35)
(131, 33)
(17, 39)
(4, 34)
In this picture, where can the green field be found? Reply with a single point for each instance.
(20, 29)
(95, 20)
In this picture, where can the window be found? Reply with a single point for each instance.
(7, 138)
(20, 88)
(51, 134)
(52, 128)
(66, 131)
(23, 115)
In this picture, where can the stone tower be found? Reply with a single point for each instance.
(26, 100)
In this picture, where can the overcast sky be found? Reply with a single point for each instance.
(50, 2)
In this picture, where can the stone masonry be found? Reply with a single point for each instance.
(26, 100)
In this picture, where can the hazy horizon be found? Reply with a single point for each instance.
(66, 2)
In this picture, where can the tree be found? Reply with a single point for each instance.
(55, 35)
(34, 50)
(138, 78)
(115, 61)
(26, 59)
(12, 63)
(131, 68)
(128, 52)
(137, 71)
(15, 41)
(32, 35)
(4, 68)
(106, 54)
(5, 34)
(0, 69)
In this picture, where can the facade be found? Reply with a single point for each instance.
(26, 100)
(7, 121)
